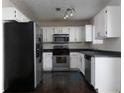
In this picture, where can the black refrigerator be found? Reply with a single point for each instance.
(22, 56)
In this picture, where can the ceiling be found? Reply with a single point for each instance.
(45, 9)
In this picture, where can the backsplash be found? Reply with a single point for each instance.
(71, 45)
(111, 44)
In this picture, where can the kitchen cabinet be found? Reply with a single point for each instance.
(106, 74)
(57, 30)
(47, 61)
(94, 39)
(88, 33)
(12, 13)
(77, 61)
(82, 60)
(61, 30)
(79, 34)
(65, 30)
(44, 34)
(49, 31)
(49, 34)
(108, 22)
(76, 34)
(72, 37)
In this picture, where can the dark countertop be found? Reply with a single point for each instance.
(93, 52)
(102, 53)
(47, 50)
(71, 50)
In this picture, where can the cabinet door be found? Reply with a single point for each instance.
(87, 35)
(95, 40)
(100, 24)
(75, 60)
(57, 30)
(108, 74)
(49, 33)
(9, 13)
(113, 14)
(79, 34)
(93, 71)
(65, 30)
(44, 34)
(19, 16)
(72, 34)
(82, 63)
(47, 61)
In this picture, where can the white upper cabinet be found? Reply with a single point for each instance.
(113, 14)
(79, 34)
(72, 37)
(65, 30)
(11, 13)
(76, 34)
(44, 34)
(94, 39)
(88, 33)
(49, 34)
(108, 22)
(61, 30)
(57, 30)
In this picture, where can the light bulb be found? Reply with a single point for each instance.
(67, 16)
(71, 14)
(64, 17)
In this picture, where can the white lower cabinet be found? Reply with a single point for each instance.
(47, 61)
(82, 60)
(74, 60)
(77, 61)
(106, 74)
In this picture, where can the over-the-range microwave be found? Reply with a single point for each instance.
(61, 38)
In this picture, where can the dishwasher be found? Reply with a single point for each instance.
(88, 68)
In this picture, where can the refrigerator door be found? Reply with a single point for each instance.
(19, 56)
(38, 75)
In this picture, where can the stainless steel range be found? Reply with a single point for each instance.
(61, 58)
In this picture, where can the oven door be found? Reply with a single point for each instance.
(61, 62)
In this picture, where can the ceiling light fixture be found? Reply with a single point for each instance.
(68, 13)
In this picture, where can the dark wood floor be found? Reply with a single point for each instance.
(64, 82)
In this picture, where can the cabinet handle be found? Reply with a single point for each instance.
(106, 32)
(105, 11)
